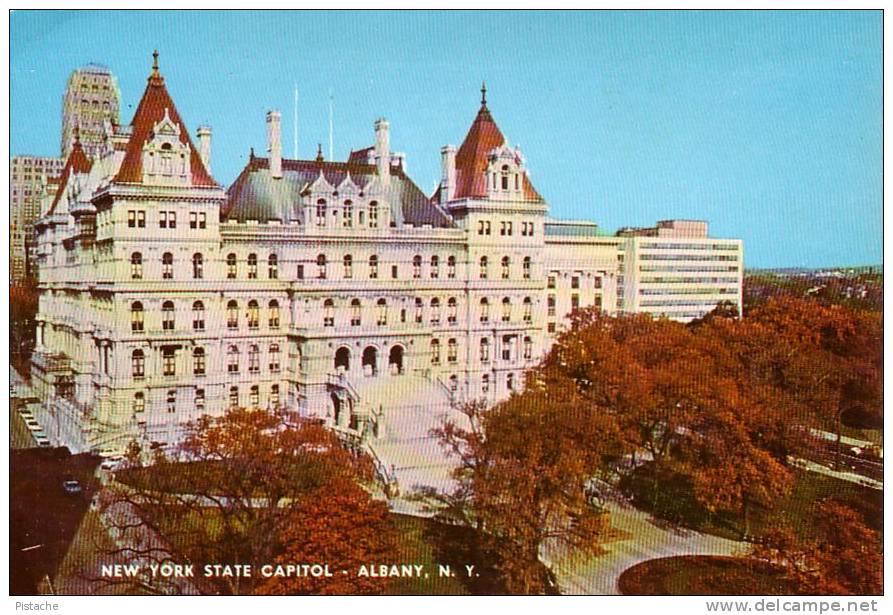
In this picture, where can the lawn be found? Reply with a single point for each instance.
(704, 576)
(673, 500)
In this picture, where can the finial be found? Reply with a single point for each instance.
(155, 61)
(251, 154)
(319, 156)
(483, 93)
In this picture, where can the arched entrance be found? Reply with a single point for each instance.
(342, 359)
(395, 360)
(370, 361)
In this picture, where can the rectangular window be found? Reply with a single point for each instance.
(199, 399)
(141, 219)
(193, 220)
(202, 220)
(550, 283)
(300, 272)
(168, 357)
(575, 301)
(550, 303)
(394, 272)
(162, 219)
(575, 282)
(172, 219)
(131, 218)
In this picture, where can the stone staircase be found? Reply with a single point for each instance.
(408, 408)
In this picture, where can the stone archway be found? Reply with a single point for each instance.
(342, 359)
(395, 360)
(370, 361)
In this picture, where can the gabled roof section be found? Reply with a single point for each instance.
(150, 111)
(77, 163)
(473, 157)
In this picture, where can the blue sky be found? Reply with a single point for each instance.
(767, 124)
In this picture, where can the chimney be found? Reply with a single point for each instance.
(204, 145)
(448, 179)
(274, 143)
(383, 150)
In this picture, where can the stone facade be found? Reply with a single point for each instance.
(304, 287)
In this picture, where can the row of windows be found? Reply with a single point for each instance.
(688, 280)
(689, 268)
(199, 363)
(506, 228)
(168, 320)
(347, 217)
(136, 218)
(434, 315)
(139, 399)
(689, 291)
(688, 257)
(575, 281)
(167, 267)
(690, 246)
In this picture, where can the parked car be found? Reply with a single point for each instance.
(71, 486)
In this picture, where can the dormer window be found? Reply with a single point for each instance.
(165, 157)
(505, 177)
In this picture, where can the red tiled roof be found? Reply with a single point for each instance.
(77, 163)
(149, 112)
(471, 160)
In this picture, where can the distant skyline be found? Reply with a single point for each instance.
(767, 124)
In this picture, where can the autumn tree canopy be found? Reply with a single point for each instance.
(241, 491)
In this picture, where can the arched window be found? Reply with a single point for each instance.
(506, 309)
(435, 266)
(382, 308)
(373, 214)
(373, 266)
(435, 352)
(138, 363)
(198, 265)
(505, 177)
(234, 397)
(451, 266)
(200, 400)
(528, 309)
(485, 383)
(136, 316)
(328, 313)
(485, 350)
(273, 266)
(252, 266)
(232, 360)
(274, 395)
(416, 266)
(347, 216)
(356, 311)
(505, 267)
(528, 347)
(198, 362)
(321, 266)
(167, 266)
(274, 314)
(253, 359)
(483, 274)
(198, 316)
(167, 316)
(485, 310)
(510, 382)
(136, 266)
(418, 310)
(451, 310)
(348, 266)
(253, 314)
(435, 311)
(274, 358)
(452, 350)
(321, 212)
(231, 266)
(526, 267)
(232, 315)
(454, 383)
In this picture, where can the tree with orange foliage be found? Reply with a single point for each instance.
(524, 466)
(231, 494)
(843, 558)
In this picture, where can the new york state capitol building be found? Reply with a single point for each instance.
(320, 288)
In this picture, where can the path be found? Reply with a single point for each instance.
(598, 575)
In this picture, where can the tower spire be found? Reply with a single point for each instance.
(319, 156)
(483, 93)
(155, 63)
